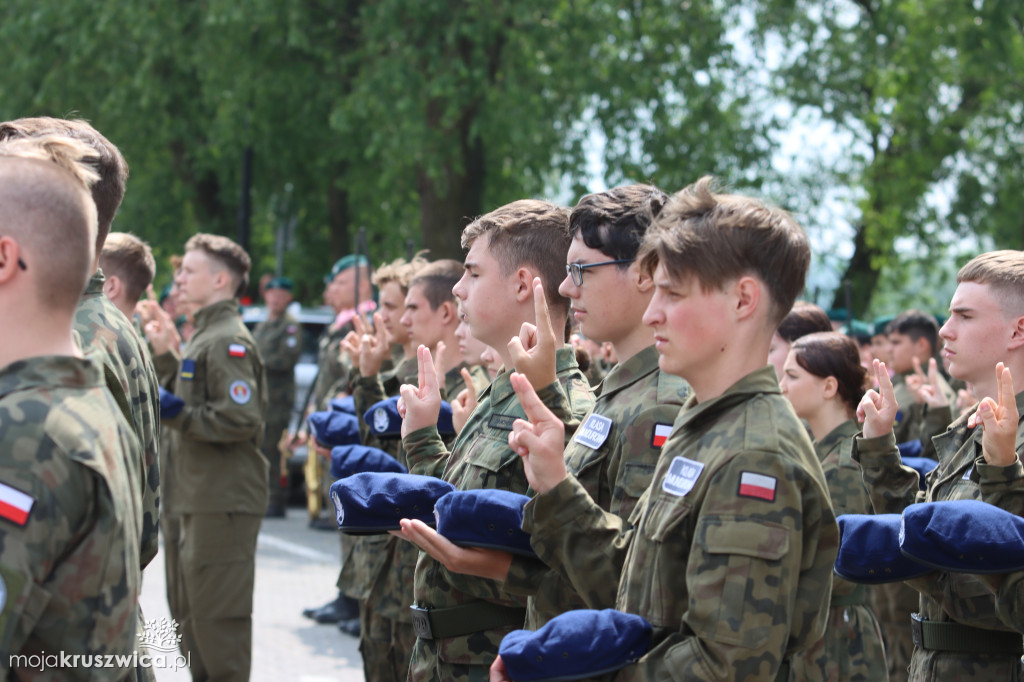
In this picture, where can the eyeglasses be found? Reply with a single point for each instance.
(575, 270)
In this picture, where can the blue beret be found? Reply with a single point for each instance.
(922, 465)
(966, 536)
(371, 503)
(346, 404)
(576, 645)
(332, 428)
(484, 518)
(384, 421)
(353, 459)
(170, 404)
(869, 550)
(910, 448)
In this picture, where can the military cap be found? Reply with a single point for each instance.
(575, 645)
(880, 323)
(343, 264)
(922, 465)
(170, 404)
(859, 329)
(347, 460)
(346, 404)
(385, 422)
(484, 518)
(279, 283)
(837, 314)
(869, 550)
(373, 503)
(332, 428)
(964, 536)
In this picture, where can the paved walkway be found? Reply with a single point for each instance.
(296, 567)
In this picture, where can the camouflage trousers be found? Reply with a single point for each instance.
(426, 665)
(386, 645)
(893, 603)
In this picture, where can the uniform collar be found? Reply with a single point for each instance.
(501, 388)
(847, 429)
(95, 285)
(48, 371)
(627, 373)
(759, 382)
(216, 311)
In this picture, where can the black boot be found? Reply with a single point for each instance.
(316, 611)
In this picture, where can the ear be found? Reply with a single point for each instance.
(447, 311)
(748, 296)
(112, 286)
(644, 282)
(1017, 337)
(523, 283)
(10, 252)
(222, 278)
(923, 350)
(830, 388)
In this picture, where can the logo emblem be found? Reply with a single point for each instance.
(161, 635)
(339, 511)
(380, 420)
(682, 476)
(240, 392)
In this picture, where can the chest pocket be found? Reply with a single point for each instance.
(489, 463)
(655, 583)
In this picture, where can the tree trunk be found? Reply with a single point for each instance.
(862, 275)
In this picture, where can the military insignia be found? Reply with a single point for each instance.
(15, 505)
(236, 350)
(291, 329)
(502, 422)
(682, 475)
(380, 420)
(339, 510)
(188, 369)
(240, 392)
(758, 485)
(661, 432)
(594, 431)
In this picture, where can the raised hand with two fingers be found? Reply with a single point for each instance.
(999, 420)
(540, 441)
(877, 409)
(533, 351)
(420, 405)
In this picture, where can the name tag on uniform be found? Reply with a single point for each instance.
(188, 369)
(594, 431)
(503, 422)
(682, 476)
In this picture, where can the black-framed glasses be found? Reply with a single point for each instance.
(575, 270)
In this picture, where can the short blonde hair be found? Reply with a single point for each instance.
(1003, 271)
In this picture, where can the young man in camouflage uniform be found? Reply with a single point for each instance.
(279, 339)
(516, 259)
(730, 557)
(129, 267)
(967, 627)
(69, 479)
(219, 476)
(102, 328)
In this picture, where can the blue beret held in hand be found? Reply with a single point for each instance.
(869, 550)
(170, 404)
(373, 503)
(484, 518)
(963, 536)
(347, 460)
(332, 428)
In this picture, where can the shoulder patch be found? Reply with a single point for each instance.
(682, 476)
(15, 505)
(594, 431)
(758, 485)
(660, 435)
(236, 350)
(240, 392)
(188, 369)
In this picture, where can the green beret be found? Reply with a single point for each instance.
(279, 283)
(837, 314)
(343, 264)
(880, 323)
(860, 329)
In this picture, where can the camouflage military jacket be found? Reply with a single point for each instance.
(220, 377)
(731, 554)
(280, 343)
(71, 518)
(613, 455)
(962, 474)
(132, 380)
(481, 458)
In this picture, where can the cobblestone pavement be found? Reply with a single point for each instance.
(296, 567)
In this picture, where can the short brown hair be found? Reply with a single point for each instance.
(131, 260)
(805, 318)
(831, 354)
(527, 232)
(438, 279)
(1004, 272)
(227, 252)
(399, 271)
(110, 164)
(720, 237)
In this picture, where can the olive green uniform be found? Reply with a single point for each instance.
(280, 343)
(731, 552)
(479, 613)
(956, 607)
(220, 488)
(70, 522)
(612, 455)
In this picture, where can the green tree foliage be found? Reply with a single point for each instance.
(404, 117)
(930, 93)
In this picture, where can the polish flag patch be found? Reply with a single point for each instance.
(15, 505)
(758, 485)
(236, 350)
(661, 432)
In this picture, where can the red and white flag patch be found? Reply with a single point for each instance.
(661, 433)
(15, 505)
(758, 485)
(236, 350)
